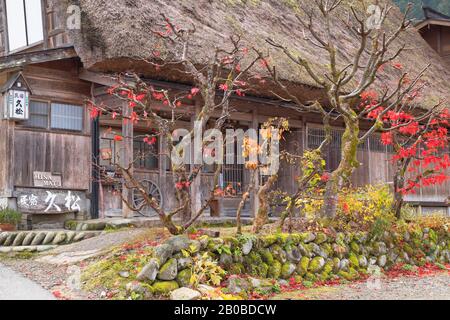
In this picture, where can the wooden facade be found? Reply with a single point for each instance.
(58, 79)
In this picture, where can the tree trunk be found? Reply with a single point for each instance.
(262, 215)
(399, 183)
(349, 145)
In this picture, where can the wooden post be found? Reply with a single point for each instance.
(164, 157)
(7, 165)
(196, 192)
(127, 154)
(254, 193)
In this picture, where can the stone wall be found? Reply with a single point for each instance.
(309, 256)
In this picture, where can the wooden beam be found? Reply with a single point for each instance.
(22, 59)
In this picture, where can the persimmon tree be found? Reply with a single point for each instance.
(221, 76)
(348, 79)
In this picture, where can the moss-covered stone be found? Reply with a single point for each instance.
(263, 270)
(169, 270)
(164, 287)
(214, 244)
(328, 267)
(287, 269)
(274, 270)
(336, 264)
(278, 253)
(355, 247)
(310, 277)
(236, 268)
(320, 238)
(354, 261)
(308, 237)
(316, 264)
(184, 277)
(267, 241)
(266, 256)
(302, 266)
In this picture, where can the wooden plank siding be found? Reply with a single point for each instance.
(65, 154)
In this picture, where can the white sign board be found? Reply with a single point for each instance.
(18, 104)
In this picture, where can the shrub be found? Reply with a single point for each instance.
(10, 216)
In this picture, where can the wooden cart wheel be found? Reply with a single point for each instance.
(153, 191)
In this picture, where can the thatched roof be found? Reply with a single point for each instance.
(113, 31)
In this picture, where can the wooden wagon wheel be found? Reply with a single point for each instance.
(153, 191)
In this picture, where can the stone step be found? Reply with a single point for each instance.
(43, 237)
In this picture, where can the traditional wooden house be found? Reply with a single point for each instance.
(435, 29)
(57, 53)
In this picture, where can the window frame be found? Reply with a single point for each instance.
(27, 45)
(49, 117)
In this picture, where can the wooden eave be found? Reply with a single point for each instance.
(19, 60)
(430, 22)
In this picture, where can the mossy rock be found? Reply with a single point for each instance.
(263, 270)
(408, 249)
(360, 237)
(308, 237)
(231, 241)
(274, 270)
(354, 261)
(164, 287)
(184, 277)
(236, 268)
(169, 270)
(316, 264)
(214, 244)
(267, 241)
(296, 238)
(266, 256)
(278, 253)
(310, 277)
(283, 238)
(328, 267)
(302, 266)
(355, 247)
(336, 264)
(305, 250)
(321, 238)
(287, 269)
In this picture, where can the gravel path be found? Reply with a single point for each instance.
(14, 286)
(434, 287)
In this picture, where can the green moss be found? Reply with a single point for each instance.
(237, 268)
(274, 270)
(408, 249)
(266, 256)
(355, 247)
(354, 261)
(336, 263)
(214, 244)
(287, 269)
(164, 287)
(184, 277)
(321, 238)
(310, 277)
(267, 241)
(328, 268)
(263, 270)
(302, 266)
(316, 264)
